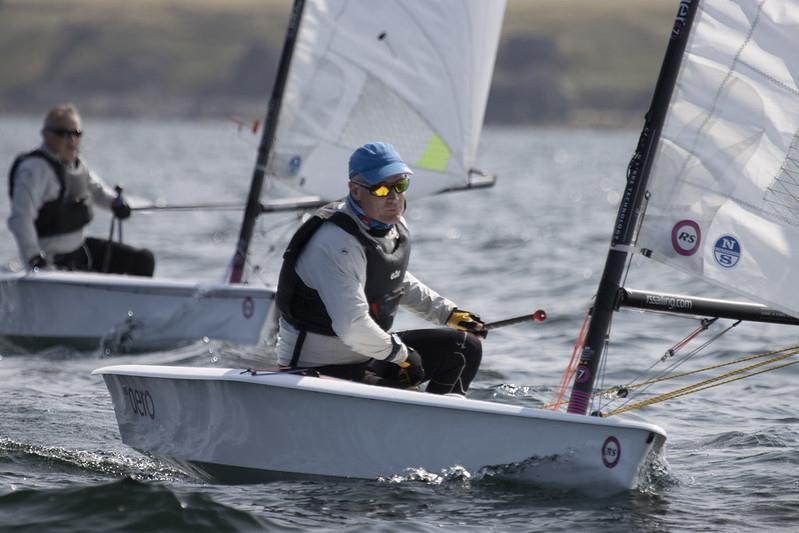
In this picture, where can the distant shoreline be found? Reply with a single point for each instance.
(626, 122)
(563, 63)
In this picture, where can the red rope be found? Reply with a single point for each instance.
(674, 349)
(568, 373)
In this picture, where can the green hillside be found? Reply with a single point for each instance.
(560, 61)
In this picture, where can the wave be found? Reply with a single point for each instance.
(27, 457)
(121, 505)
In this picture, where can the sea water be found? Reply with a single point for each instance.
(537, 240)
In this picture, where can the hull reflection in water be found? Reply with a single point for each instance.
(230, 426)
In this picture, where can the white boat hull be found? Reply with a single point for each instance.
(230, 426)
(86, 310)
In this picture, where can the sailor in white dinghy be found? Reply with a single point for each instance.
(52, 194)
(343, 278)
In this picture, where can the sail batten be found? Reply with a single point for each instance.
(724, 185)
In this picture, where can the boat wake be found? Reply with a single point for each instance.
(454, 474)
(460, 474)
(654, 476)
(27, 457)
(535, 396)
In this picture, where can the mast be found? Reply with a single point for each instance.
(253, 208)
(624, 229)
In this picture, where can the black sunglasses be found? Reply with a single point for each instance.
(381, 190)
(63, 132)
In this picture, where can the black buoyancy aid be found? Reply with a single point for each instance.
(67, 213)
(301, 305)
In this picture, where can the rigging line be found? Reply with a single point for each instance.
(664, 374)
(285, 222)
(703, 325)
(733, 372)
(707, 384)
(254, 268)
(695, 351)
(602, 372)
(602, 369)
(713, 367)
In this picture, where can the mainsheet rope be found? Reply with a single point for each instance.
(664, 374)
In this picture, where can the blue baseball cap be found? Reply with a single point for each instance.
(374, 162)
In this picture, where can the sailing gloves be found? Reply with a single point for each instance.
(405, 374)
(411, 371)
(466, 321)
(120, 208)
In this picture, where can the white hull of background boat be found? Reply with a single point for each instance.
(228, 425)
(84, 310)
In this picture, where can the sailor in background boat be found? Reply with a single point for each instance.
(343, 278)
(52, 193)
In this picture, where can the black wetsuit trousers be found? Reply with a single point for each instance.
(99, 255)
(450, 359)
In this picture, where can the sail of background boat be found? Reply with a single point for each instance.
(415, 75)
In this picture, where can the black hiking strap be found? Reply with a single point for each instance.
(295, 357)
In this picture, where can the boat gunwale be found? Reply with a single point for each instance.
(123, 283)
(352, 389)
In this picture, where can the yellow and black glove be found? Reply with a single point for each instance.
(466, 321)
(411, 370)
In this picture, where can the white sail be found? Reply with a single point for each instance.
(415, 74)
(725, 179)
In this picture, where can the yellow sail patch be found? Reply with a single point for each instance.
(435, 156)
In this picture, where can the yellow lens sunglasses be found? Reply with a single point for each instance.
(381, 190)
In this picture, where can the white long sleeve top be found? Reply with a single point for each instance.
(334, 264)
(34, 185)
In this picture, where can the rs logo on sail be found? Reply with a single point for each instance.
(685, 237)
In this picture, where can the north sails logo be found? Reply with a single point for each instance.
(294, 165)
(727, 251)
(395, 274)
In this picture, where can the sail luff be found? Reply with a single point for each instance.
(610, 282)
(253, 208)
